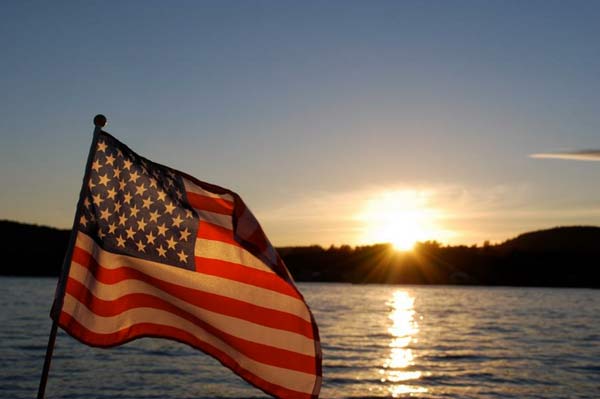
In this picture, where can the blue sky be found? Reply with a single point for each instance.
(313, 110)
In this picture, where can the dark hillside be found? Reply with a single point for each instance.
(558, 239)
(31, 250)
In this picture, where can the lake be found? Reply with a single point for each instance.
(378, 341)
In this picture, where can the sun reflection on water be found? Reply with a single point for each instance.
(398, 367)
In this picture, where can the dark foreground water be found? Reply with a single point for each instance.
(378, 341)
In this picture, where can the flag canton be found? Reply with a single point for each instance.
(138, 208)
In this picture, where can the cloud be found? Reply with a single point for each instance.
(581, 155)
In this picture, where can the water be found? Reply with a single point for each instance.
(378, 341)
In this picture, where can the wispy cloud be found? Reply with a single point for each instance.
(581, 155)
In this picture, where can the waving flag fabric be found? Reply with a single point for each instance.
(159, 253)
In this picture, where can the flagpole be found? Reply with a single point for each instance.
(99, 123)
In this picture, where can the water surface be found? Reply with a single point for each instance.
(378, 341)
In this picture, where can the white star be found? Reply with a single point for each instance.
(86, 202)
(134, 211)
(83, 220)
(96, 165)
(111, 194)
(105, 214)
(150, 237)
(101, 146)
(147, 203)
(141, 224)
(140, 190)
(101, 234)
(111, 228)
(91, 184)
(161, 251)
(188, 214)
(133, 176)
(110, 160)
(117, 172)
(152, 182)
(122, 220)
(118, 206)
(162, 229)
(177, 221)
(122, 185)
(161, 195)
(127, 164)
(140, 245)
(182, 256)
(97, 199)
(103, 179)
(154, 216)
(127, 198)
(169, 208)
(130, 233)
(120, 241)
(184, 234)
(119, 152)
(171, 243)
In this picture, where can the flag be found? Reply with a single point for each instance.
(158, 253)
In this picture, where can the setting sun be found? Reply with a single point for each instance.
(400, 218)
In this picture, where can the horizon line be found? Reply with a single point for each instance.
(483, 243)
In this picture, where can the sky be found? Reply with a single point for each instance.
(337, 122)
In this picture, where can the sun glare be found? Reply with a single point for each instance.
(400, 218)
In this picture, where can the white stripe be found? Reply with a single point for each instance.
(193, 188)
(231, 325)
(215, 218)
(291, 379)
(207, 283)
(213, 249)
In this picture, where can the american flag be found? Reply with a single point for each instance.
(159, 253)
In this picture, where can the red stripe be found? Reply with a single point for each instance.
(215, 232)
(213, 302)
(211, 204)
(246, 275)
(78, 331)
(261, 353)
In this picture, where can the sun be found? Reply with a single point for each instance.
(402, 230)
(400, 218)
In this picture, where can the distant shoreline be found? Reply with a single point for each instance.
(474, 286)
(562, 257)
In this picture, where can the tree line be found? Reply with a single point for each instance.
(559, 257)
